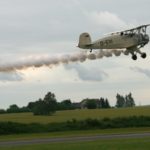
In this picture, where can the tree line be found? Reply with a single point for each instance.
(49, 105)
(70, 125)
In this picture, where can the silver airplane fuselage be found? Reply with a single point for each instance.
(116, 41)
(131, 40)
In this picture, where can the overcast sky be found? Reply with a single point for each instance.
(52, 27)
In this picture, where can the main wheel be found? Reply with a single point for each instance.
(134, 57)
(143, 55)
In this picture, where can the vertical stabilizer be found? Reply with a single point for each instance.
(84, 40)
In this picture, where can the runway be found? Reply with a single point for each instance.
(73, 139)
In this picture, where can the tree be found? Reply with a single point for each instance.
(107, 105)
(40, 108)
(126, 101)
(2, 111)
(25, 109)
(67, 102)
(13, 109)
(102, 103)
(129, 100)
(51, 103)
(65, 105)
(91, 104)
(120, 101)
(47, 106)
(31, 105)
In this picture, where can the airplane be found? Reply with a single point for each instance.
(131, 40)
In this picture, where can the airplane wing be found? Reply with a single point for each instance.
(139, 27)
(132, 29)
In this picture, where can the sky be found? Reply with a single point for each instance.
(43, 29)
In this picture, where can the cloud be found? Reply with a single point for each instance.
(141, 70)
(13, 76)
(107, 21)
(87, 74)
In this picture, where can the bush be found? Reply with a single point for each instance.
(2, 111)
(106, 123)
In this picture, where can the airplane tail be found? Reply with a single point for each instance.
(84, 40)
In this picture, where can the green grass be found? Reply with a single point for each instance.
(61, 116)
(73, 133)
(112, 144)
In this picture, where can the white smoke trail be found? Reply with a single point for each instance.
(50, 61)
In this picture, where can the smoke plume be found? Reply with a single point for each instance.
(51, 61)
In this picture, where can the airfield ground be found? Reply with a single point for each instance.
(62, 116)
(103, 144)
(119, 144)
(127, 143)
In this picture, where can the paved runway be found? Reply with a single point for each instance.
(73, 139)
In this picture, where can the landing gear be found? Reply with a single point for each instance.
(134, 57)
(143, 55)
(135, 52)
(91, 51)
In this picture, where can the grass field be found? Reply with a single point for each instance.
(73, 133)
(112, 144)
(61, 116)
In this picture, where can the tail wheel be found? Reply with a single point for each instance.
(143, 55)
(134, 57)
